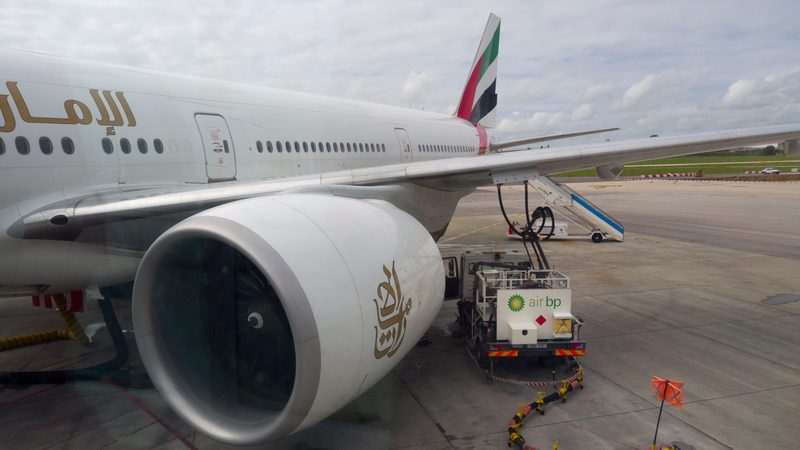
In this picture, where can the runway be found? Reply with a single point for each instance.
(681, 298)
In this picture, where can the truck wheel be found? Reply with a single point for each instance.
(597, 237)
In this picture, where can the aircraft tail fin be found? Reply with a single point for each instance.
(479, 99)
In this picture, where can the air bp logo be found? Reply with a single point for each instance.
(516, 303)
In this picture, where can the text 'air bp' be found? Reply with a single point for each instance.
(546, 301)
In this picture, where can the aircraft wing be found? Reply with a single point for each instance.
(550, 137)
(66, 219)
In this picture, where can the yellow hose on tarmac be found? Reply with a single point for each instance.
(69, 318)
(33, 339)
(75, 331)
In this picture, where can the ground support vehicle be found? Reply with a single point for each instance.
(507, 309)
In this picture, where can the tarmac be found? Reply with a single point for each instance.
(685, 297)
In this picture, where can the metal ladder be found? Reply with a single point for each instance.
(559, 195)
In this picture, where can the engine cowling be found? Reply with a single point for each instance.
(609, 171)
(261, 317)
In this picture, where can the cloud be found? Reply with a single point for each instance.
(773, 90)
(538, 122)
(417, 84)
(583, 112)
(741, 93)
(635, 94)
(677, 66)
(596, 92)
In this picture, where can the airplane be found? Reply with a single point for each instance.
(282, 245)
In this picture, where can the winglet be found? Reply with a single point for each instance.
(479, 99)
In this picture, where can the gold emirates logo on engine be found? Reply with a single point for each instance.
(392, 309)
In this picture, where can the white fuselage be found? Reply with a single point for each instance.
(210, 132)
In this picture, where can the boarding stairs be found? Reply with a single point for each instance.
(556, 194)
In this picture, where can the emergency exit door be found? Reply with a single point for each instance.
(405, 145)
(218, 147)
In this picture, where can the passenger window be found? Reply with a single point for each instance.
(142, 144)
(2, 147)
(305, 147)
(158, 146)
(269, 146)
(68, 146)
(108, 146)
(335, 147)
(224, 145)
(348, 147)
(383, 147)
(296, 147)
(361, 148)
(259, 147)
(23, 147)
(125, 145)
(279, 146)
(288, 147)
(328, 146)
(46, 145)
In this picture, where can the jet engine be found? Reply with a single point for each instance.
(609, 171)
(261, 317)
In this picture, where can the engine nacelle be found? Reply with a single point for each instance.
(261, 317)
(609, 171)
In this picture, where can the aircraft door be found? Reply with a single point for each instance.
(218, 147)
(405, 145)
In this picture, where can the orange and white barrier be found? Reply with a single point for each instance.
(75, 301)
(668, 175)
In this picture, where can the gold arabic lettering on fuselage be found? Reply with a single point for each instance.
(77, 112)
(392, 315)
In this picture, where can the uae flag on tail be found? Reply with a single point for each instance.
(74, 301)
(479, 98)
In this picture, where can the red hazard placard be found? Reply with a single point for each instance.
(670, 391)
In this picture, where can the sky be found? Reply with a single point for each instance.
(662, 68)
